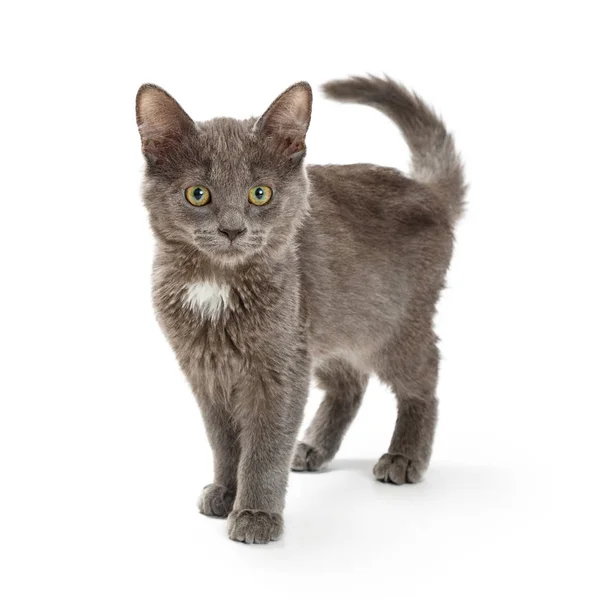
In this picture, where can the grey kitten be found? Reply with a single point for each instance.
(267, 271)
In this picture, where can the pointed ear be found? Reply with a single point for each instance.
(286, 121)
(162, 123)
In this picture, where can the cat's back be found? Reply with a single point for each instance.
(367, 174)
(374, 221)
(374, 205)
(372, 196)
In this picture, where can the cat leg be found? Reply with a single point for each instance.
(270, 415)
(344, 389)
(218, 497)
(412, 375)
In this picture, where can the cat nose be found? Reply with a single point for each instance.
(231, 233)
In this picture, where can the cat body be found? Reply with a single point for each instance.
(336, 276)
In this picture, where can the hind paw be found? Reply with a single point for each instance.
(398, 469)
(307, 458)
(216, 501)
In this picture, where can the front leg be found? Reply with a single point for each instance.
(270, 416)
(217, 498)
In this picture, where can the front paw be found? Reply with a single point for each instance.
(216, 501)
(398, 469)
(254, 526)
(307, 458)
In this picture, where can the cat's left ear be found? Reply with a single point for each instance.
(286, 121)
(162, 123)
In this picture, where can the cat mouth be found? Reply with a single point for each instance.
(234, 248)
(223, 248)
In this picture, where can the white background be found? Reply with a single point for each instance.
(102, 448)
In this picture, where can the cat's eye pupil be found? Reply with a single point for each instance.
(198, 193)
(259, 193)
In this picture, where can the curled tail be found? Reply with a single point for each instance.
(435, 161)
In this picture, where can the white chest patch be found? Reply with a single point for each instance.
(207, 298)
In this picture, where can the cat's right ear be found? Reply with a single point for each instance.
(162, 123)
(286, 121)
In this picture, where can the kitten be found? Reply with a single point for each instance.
(267, 271)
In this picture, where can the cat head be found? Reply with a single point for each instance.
(231, 190)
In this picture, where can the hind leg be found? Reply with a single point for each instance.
(411, 372)
(344, 388)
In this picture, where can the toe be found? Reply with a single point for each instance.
(414, 473)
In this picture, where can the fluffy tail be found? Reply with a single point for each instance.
(435, 161)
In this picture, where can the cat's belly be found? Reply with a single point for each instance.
(350, 338)
(353, 311)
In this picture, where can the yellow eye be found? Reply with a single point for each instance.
(197, 195)
(260, 195)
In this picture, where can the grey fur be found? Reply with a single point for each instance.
(338, 275)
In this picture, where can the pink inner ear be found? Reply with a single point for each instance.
(297, 146)
(289, 146)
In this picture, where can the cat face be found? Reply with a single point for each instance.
(228, 189)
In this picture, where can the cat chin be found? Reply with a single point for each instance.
(233, 255)
(230, 257)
